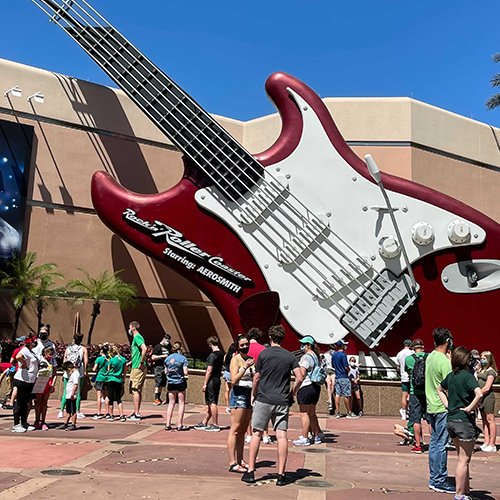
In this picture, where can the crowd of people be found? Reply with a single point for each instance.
(448, 388)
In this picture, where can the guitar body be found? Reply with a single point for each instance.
(195, 231)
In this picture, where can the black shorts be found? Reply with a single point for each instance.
(309, 395)
(71, 406)
(177, 387)
(212, 391)
(160, 377)
(101, 385)
(464, 431)
(418, 409)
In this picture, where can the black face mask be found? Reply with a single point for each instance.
(244, 350)
(43, 336)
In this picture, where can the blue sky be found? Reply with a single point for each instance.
(222, 52)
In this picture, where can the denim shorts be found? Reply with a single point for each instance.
(226, 376)
(343, 387)
(464, 431)
(240, 397)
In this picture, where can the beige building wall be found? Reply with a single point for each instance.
(82, 128)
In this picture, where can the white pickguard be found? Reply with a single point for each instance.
(330, 188)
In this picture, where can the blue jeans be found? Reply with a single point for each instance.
(438, 456)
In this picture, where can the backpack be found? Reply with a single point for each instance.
(418, 372)
(318, 374)
(74, 353)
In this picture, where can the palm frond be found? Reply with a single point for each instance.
(495, 81)
(493, 102)
(496, 57)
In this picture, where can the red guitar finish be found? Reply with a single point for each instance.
(470, 317)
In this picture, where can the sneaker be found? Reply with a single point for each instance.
(228, 410)
(416, 449)
(490, 449)
(265, 439)
(248, 477)
(30, 428)
(134, 418)
(317, 440)
(97, 416)
(212, 428)
(107, 416)
(60, 414)
(302, 441)
(360, 413)
(38, 426)
(352, 415)
(18, 428)
(80, 415)
(123, 418)
(337, 415)
(111, 418)
(442, 488)
(283, 480)
(483, 446)
(249, 438)
(158, 402)
(44, 427)
(200, 427)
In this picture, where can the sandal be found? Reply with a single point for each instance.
(183, 428)
(237, 468)
(168, 427)
(244, 464)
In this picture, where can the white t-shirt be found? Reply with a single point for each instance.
(309, 362)
(401, 358)
(37, 351)
(73, 379)
(27, 374)
(328, 360)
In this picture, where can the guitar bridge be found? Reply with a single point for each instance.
(379, 307)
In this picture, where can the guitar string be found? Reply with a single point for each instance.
(340, 281)
(298, 214)
(319, 287)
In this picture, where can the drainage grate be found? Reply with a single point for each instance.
(317, 450)
(145, 460)
(61, 472)
(314, 483)
(124, 442)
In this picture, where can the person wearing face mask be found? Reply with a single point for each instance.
(354, 377)
(308, 394)
(49, 370)
(485, 377)
(161, 352)
(242, 372)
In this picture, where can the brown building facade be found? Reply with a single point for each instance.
(81, 128)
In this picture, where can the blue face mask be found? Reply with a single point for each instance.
(129, 332)
(303, 347)
(484, 362)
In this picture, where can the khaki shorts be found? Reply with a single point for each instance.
(137, 378)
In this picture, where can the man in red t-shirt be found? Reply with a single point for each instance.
(254, 335)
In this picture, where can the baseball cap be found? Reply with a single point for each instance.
(475, 353)
(342, 343)
(407, 342)
(307, 340)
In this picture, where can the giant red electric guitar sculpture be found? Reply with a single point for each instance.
(303, 219)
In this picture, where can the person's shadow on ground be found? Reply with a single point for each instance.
(482, 495)
(293, 476)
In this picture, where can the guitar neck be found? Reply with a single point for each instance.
(193, 131)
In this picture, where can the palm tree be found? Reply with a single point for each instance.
(22, 276)
(494, 101)
(45, 294)
(105, 287)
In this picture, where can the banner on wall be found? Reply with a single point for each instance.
(16, 143)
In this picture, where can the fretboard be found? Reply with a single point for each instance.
(193, 131)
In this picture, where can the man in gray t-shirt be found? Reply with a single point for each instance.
(272, 398)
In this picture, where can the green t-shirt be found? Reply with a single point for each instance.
(460, 389)
(116, 369)
(409, 364)
(136, 351)
(102, 369)
(437, 367)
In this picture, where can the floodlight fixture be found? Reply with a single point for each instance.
(38, 96)
(15, 91)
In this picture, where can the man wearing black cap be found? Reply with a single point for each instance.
(161, 352)
(405, 378)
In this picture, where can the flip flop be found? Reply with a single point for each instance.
(183, 428)
(168, 427)
(238, 469)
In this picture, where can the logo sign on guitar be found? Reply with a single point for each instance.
(187, 253)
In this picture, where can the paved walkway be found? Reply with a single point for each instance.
(139, 460)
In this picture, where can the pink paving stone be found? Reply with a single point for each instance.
(35, 453)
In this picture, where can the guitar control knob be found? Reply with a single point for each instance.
(422, 233)
(389, 247)
(459, 231)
